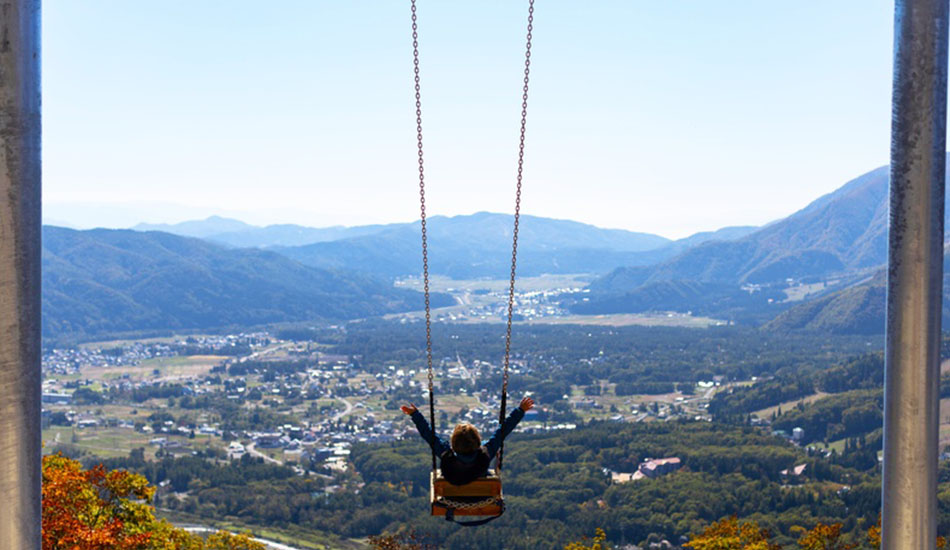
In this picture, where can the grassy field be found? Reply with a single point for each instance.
(167, 367)
(439, 283)
(472, 292)
(103, 442)
(192, 365)
(767, 412)
(800, 292)
(631, 319)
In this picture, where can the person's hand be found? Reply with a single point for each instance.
(409, 409)
(526, 404)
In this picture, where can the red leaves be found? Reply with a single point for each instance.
(93, 509)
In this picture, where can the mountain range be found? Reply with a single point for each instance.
(858, 309)
(461, 247)
(220, 272)
(103, 281)
(106, 281)
(235, 233)
(840, 238)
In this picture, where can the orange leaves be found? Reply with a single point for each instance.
(824, 537)
(93, 509)
(598, 543)
(97, 509)
(223, 540)
(729, 534)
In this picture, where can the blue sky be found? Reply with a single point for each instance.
(665, 117)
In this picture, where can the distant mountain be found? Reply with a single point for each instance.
(101, 281)
(859, 309)
(469, 231)
(843, 231)
(842, 234)
(732, 233)
(846, 229)
(479, 245)
(197, 228)
(290, 235)
(238, 234)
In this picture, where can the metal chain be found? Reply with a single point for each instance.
(514, 238)
(514, 243)
(460, 505)
(422, 207)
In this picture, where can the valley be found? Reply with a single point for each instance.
(254, 374)
(302, 407)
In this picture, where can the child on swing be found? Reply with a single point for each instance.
(466, 459)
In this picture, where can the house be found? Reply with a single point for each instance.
(649, 468)
(797, 471)
(57, 398)
(235, 450)
(653, 468)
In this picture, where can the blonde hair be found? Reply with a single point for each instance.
(466, 439)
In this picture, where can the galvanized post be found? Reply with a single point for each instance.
(20, 516)
(915, 274)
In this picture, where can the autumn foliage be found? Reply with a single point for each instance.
(599, 542)
(824, 537)
(730, 534)
(97, 509)
(402, 541)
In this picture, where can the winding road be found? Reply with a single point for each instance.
(348, 410)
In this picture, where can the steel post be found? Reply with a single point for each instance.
(20, 513)
(915, 274)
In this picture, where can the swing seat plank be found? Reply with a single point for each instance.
(482, 497)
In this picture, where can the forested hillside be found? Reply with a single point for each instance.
(101, 281)
(840, 237)
(859, 309)
(556, 487)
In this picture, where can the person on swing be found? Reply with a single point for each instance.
(466, 459)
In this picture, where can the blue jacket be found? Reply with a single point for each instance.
(440, 445)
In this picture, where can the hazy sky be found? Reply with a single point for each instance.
(668, 117)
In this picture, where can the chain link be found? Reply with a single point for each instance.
(517, 219)
(461, 505)
(422, 208)
(514, 237)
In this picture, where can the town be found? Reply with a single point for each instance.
(292, 402)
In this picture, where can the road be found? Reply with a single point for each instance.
(249, 448)
(348, 410)
(265, 351)
(464, 371)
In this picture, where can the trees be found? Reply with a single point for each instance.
(94, 509)
(402, 541)
(99, 509)
(597, 543)
(824, 537)
(730, 534)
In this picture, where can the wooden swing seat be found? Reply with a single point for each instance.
(481, 497)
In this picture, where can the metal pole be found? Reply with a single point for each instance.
(915, 275)
(20, 514)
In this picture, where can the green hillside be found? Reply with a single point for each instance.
(103, 281)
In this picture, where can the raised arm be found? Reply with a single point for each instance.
(438, 444)
(501, 433)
